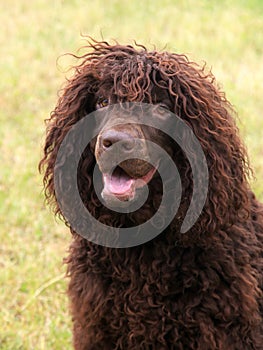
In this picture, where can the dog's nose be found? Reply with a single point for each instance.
(110, 137)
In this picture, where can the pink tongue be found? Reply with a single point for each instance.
(119, 182)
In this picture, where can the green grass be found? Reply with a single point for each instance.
(226, 34)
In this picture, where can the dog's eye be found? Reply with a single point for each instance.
(102, 102)
(164, 106)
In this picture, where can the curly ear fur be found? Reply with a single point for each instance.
(200, 291)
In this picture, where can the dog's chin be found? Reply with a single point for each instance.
(119, 187)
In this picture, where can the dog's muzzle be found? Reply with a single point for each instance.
(122, 178)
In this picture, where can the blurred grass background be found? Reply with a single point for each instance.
(228, 35)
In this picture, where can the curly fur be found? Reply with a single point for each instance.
(201, 290)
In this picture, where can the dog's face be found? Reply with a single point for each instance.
(123, 181)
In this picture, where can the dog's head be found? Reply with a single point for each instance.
(109, 77)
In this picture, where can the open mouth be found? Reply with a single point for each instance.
(122, 186)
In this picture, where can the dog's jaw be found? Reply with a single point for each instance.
(123, 187)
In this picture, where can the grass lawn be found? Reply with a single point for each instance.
(226, 34)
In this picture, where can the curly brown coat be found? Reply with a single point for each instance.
(201, 290)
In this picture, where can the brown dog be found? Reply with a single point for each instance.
(201, 290)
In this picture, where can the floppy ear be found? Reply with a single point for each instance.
(208, 113)
(76, 101)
